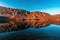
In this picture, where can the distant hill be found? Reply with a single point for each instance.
(5, 10)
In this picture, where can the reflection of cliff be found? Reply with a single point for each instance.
(21, 19)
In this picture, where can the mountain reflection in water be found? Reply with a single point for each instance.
(47, 33)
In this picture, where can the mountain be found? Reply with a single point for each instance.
(17, 19)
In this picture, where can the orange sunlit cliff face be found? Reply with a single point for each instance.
(21, 19)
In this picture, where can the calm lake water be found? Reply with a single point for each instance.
(51, 32)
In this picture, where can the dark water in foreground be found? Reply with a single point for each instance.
(51, 32)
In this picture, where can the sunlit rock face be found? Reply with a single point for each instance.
(56, 19)
(39, 19)
(16, 19)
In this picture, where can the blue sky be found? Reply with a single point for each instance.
(49, 6)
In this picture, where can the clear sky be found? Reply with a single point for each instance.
(49, 6)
